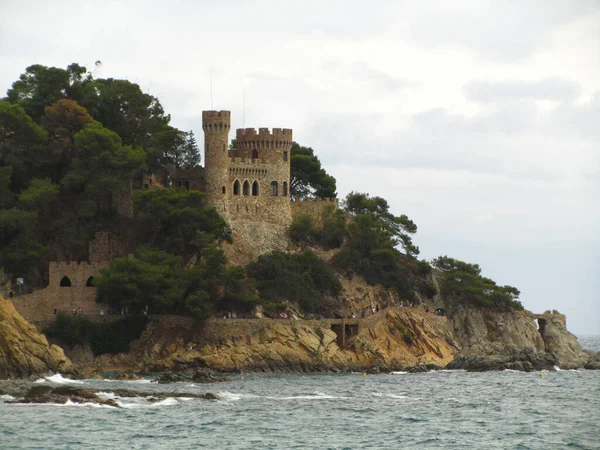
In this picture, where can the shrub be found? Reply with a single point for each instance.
(110, 337)
(302, 229)
(304, 278)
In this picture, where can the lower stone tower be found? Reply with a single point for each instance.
(250, 184)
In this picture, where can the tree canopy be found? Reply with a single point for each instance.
(464, 285)
(308, 178)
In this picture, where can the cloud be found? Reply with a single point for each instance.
(498, 91)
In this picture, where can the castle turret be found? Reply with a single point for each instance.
(216, 126)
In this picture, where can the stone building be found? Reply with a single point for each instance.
(249, 185)
(250, 182)
(71, 283)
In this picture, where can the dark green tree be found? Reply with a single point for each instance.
(22, 145)
(177, 220)
(463, 284)
(102, 168)
(308, 178)
(373, 216)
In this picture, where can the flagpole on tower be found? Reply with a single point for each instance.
(211, 90)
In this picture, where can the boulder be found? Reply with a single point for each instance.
(24, 352)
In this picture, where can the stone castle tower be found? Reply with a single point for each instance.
(251, 182)
(249, 185)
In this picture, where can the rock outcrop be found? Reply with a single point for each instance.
(23, 350)
(517, 340)
(393, 339)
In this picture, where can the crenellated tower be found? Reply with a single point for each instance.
(216, 126)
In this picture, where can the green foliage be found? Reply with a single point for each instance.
(19, 249)
(399, 329)
(157, 280)
(374, 213)
(111, 337)
(463, 284)
(302, 230)
(302, 278)
(308, 178)
(22, 144)
(329, 235)
(177, 221)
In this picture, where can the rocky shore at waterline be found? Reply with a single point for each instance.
(23, 392)
(393, 339)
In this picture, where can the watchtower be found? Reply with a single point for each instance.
(216, 126)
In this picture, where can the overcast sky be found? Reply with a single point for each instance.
(479, 120)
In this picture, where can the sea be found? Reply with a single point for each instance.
(437, 410)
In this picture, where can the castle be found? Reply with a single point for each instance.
(251, 180)
(250, 185)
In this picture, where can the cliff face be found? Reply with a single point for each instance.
(23, 350)
(516, 340)
(393, 339)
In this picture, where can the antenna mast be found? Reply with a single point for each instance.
(244, 110)
(211, 92)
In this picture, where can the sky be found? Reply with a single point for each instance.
(479, 120)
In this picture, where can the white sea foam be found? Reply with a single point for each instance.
(142, 381)
(89, 404)
(558, 369)
(59, 379)
(6, 397)
(398, 373)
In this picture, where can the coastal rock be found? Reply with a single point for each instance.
(25, 352)
(393, 339)
(517, 340)
(43, 393)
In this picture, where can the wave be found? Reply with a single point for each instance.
(142, 381)
(58, 379)
(6, 397)
(231, 396)
(398, 373)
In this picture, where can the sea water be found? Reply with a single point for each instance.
(443, 409)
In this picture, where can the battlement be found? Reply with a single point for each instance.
(315, 200)
(216, 121)
(253, 161)
(249, 138)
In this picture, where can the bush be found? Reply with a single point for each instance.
(302, 229)
(110, 337)
(304, 278)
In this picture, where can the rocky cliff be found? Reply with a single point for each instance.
(516, 340)
(23, 350)
(393, 339)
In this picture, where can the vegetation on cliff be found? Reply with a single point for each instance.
(73, 152)
(110, 337)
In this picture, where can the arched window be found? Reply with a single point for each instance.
(236, 187)
(274, 188)
(223, 190)
(285, 188)
(255, 188)
(285, 156)
(90, 282)
(65, 282)
(246, 189)
(254, 154)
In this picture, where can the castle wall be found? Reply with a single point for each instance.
(314, 207)
(79, 274)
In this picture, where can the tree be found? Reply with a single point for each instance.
(22, 144)
(173, 147)
(122, 107)
(102, 167)
(177, 220)
(302, 278)
(463, 284)
(63, 120)
(308, 178)
(374, 213)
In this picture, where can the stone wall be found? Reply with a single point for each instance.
(249, 186)
(314, 207)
